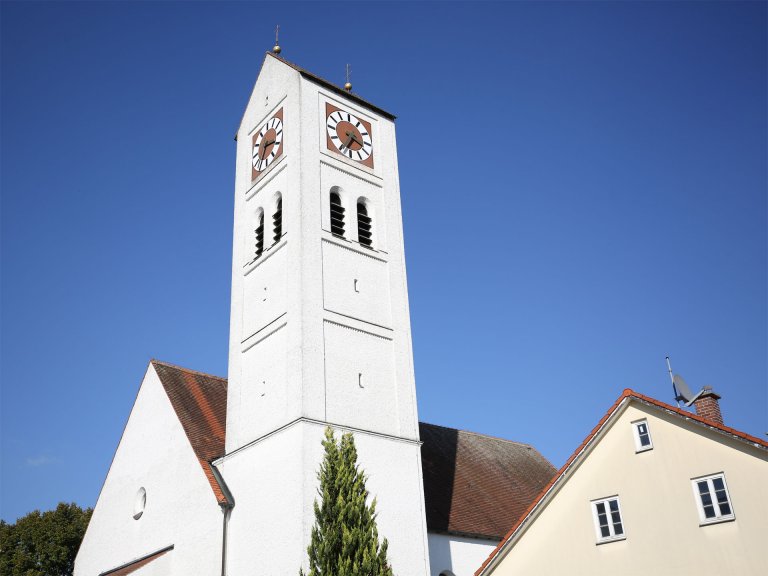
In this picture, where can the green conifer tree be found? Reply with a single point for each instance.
(345, 541)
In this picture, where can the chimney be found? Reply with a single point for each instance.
(707, 405)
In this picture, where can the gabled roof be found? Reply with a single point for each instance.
(474, 485)
(333, 87)
(200, 402)
(325, 84)
(583, 449)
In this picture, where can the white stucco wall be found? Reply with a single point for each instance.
(181, 509)
(274, 484)
(459, 556)
(658, 507)
(322, 351)
(314, 278)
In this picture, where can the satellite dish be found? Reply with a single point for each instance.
(681, 389)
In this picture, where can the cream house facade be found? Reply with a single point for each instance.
(652, 490)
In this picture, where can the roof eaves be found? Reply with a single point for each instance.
(460, 534)
(134, 565)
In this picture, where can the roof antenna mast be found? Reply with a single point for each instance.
(276, 48)
(348, 85)
(680, 388)
(671, 377)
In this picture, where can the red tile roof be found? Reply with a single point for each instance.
(474, 485)
(200, 402)
(626, 394)
(477, 485)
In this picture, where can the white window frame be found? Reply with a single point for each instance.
(636, 432)
(612, 537)
(719, 516)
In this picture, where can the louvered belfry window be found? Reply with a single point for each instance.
(337, 215)
(260, 235)
(277, 221)
(364, 233)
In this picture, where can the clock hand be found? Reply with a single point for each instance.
(264, 149)
(349, 140)
(353, 137)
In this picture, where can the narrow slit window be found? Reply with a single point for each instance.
(712, 499)
(277, 221)
(608, 523)
(337, 215)
(642, 436)
(259, 232)
(364, 225)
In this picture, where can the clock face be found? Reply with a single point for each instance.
(267, 144)
(349, 135)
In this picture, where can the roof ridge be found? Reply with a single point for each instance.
(187, 370)
(481, 434)
(696, 417)
(332, 86)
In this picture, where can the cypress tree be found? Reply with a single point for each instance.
(345, 540)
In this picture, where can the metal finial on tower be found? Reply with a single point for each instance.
(348, 85)
(276, 48)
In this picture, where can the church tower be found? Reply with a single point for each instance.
(320, 330)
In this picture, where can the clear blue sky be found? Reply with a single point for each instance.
(616, 211)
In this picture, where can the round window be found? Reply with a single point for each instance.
(139, 503)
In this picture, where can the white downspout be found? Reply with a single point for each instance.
(226, 509)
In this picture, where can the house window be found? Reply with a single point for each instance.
(607, 516)
(364, 224)
(712, 499)
(277, 220)
(642, 436)
(337, 215)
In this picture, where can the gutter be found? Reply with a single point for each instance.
(226, 508)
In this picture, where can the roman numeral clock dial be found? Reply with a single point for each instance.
(267, 144)
(349, 135)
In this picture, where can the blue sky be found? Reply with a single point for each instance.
(615, 212)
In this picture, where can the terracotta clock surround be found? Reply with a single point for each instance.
(267, 144)
(348, 135)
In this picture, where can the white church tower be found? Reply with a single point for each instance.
(320, 331)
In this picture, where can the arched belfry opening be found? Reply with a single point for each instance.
(277, 220)
(364, 224)
(337, 215)
(259, 234)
